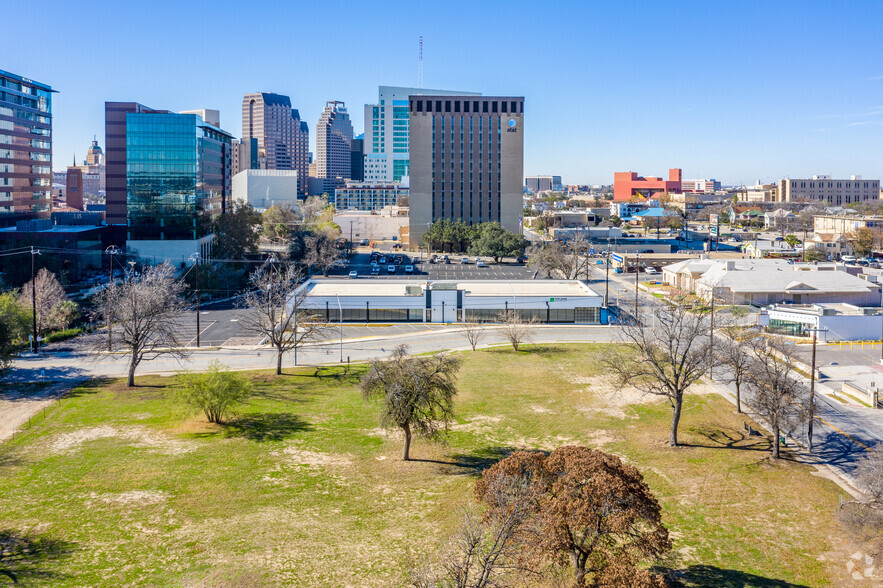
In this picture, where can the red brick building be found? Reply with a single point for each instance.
(629, 184)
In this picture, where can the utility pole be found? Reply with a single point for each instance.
(711, 339)
(812, 390)
(637, 272)
(33, 304)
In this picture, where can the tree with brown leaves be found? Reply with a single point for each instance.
(417, 393)
(589, 510)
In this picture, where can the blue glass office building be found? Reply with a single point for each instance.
(168, 174)
(177, 175)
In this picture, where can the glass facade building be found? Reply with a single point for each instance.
(168, 173)
(177, 175)
(25, 148)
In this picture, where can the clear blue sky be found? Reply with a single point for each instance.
(737, 91)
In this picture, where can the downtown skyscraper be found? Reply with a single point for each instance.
(281, 137)
(334, 140)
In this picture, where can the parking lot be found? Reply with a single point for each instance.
(360, 262)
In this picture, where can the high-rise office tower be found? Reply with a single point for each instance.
(467, 161)
(168, 174)
(283, 139)
(25, 148)
(386, 132)
(334, 139)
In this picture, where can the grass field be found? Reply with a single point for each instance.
(302, 488)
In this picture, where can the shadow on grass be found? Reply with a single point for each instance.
(705, 575)
(24, 557)
(540, 349)
(719, 439)
(267, 426)
(474, 463)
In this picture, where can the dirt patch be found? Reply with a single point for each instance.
(299, 456)
(136, 435)
(600, 437)
(131, 498)
(478, 424)
(540, 409)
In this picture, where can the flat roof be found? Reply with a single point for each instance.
(395, 287)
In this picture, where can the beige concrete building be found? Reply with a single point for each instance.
(282, 138)
(366, 196)
(467, 161)
(845, 224)
(826, 189)
(334, 140)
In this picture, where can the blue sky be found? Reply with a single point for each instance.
(736, 91)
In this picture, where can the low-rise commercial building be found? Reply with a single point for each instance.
(841, 224)
(834, 322)
(771, 281)
(375, 300)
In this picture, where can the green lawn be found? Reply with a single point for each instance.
(302, 487)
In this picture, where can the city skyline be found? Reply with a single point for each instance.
(738, 93)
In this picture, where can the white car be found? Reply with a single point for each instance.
(480, 263)
(354, 274)
(847, 258)
(650, 270)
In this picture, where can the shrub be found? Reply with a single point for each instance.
(215, 391)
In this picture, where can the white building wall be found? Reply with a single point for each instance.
(262, 188)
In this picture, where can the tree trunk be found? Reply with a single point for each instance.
(776, 441)
(738, 399)
(407, 430)
(132, 364)
(675, 419)
(279, 362)
(579, 567)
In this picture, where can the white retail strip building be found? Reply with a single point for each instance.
(442, 301)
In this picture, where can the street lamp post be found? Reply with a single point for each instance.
(195, 258)
(111, 251)
(340, 316)
(812, 389)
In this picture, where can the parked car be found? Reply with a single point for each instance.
(447, 259)
(480, 263)
(383, 259)
(464, 261)
(650, 270)
(390, 269)
(646, 251)
(375, 269)
(415, 259)
(521, 259)
(409, 269)
(363, 242)
(847, 258)
(354, 274)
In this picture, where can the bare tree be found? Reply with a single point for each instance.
(145, 310)
(734, 355)
(474, 333)
(863, 519)
(670, 357)
(49, 295)
(488, 550)
(320, 252)
(277, 309)
(516, 329)
(776, 394)
(417, 392)
(554, 259)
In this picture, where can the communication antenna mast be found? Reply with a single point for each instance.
(420, 65)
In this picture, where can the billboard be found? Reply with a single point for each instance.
(714, 224)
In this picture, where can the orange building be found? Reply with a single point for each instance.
(629, 184)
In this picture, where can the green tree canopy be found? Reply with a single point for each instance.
(495, 241)
(236, 232)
